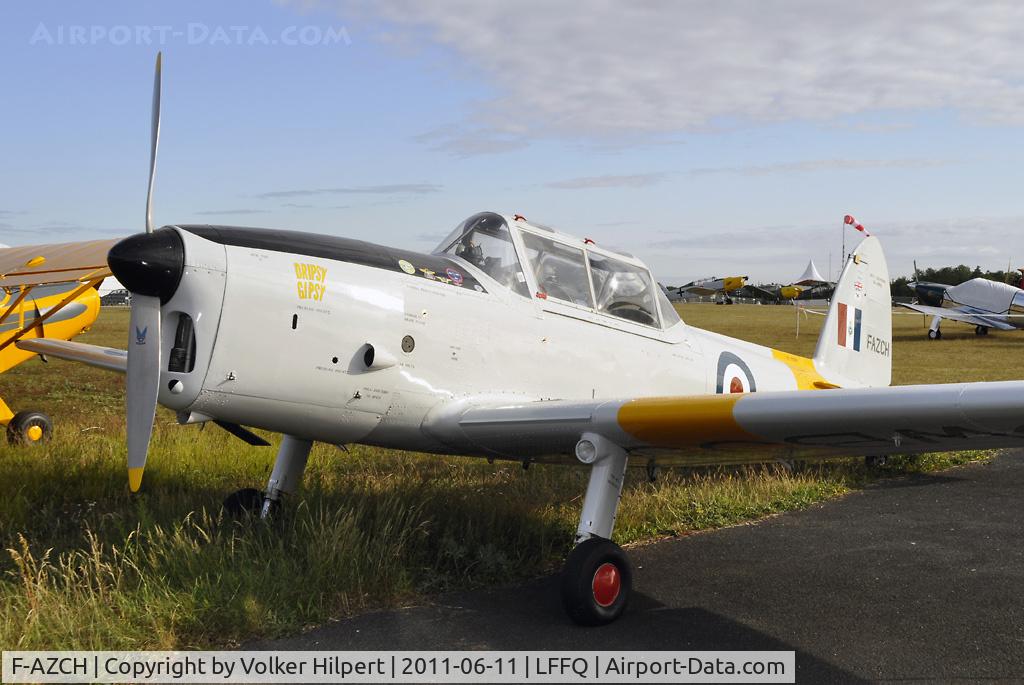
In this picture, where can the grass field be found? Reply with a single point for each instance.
(90, 566)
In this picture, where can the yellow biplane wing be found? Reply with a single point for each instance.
(57, 263)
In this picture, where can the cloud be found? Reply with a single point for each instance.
(662, 67)
(219, 212)
(393, 189)
(769, 253)
(812, 165)
(630, 181)
(467, 141)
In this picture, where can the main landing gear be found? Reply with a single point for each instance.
(284, 479)
(934, 332)
(29, 428)
(597, 578)
(981, 330)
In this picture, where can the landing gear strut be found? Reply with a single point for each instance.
(284, 479)
(934, 332)
(597, 578)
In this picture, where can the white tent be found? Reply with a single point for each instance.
(811, 275)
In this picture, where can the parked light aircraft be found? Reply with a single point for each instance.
(713, 286)
(509, 341)
(979, 302)
(51, 295)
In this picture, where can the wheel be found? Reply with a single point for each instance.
(980, 330)
(874, 462)
(596, 582)
(245, 501)
(29, 428)
(934, 335)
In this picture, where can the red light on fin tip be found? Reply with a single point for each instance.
(541, 295)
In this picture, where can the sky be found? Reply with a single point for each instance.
(719, 137)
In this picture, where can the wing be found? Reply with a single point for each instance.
(698, 290)
(752, 427)
(57, 263)
(974, 318)
(94, 355)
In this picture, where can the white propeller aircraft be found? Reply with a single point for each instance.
(509, 341)
(979, 302)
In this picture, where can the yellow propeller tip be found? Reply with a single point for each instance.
(135, 478)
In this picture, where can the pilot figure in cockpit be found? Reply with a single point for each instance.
(470, 251)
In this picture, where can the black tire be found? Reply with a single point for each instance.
(596, 582)
(247, 501)
(934, 335)
(29, 428)
(875, 461)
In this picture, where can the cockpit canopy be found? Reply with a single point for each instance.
(484, 241)
(563, 269)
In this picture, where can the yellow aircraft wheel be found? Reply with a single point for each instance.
(29, 428)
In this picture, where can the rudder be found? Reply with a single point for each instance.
(855, 346)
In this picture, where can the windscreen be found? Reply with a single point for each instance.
(484, 241)
(624, 290)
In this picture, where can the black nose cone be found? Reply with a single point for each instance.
(149, 263)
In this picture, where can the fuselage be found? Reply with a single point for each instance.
(343, 341)
(985, 296)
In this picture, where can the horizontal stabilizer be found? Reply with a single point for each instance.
(94, 355)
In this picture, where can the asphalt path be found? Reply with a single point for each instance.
(916, 578)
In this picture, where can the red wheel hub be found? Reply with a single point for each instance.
(607, 584)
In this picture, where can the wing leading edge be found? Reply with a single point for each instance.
(750, 427)
(963, 316)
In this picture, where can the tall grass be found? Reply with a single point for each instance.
(90, 566)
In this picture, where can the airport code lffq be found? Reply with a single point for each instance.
(399, 667)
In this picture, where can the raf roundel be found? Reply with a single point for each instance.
(734, 375)
(454, 275)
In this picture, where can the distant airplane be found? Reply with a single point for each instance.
(979, 302)
(713, 286)
(45, 292)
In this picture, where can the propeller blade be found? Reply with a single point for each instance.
(154, 142)
(143, 381)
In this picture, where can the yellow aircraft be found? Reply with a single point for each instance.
(45, 291)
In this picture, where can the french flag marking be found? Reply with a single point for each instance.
(849, 327)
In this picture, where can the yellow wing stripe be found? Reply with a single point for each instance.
(806, 376)
(679, 421)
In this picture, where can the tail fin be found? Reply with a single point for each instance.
(855, 347)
